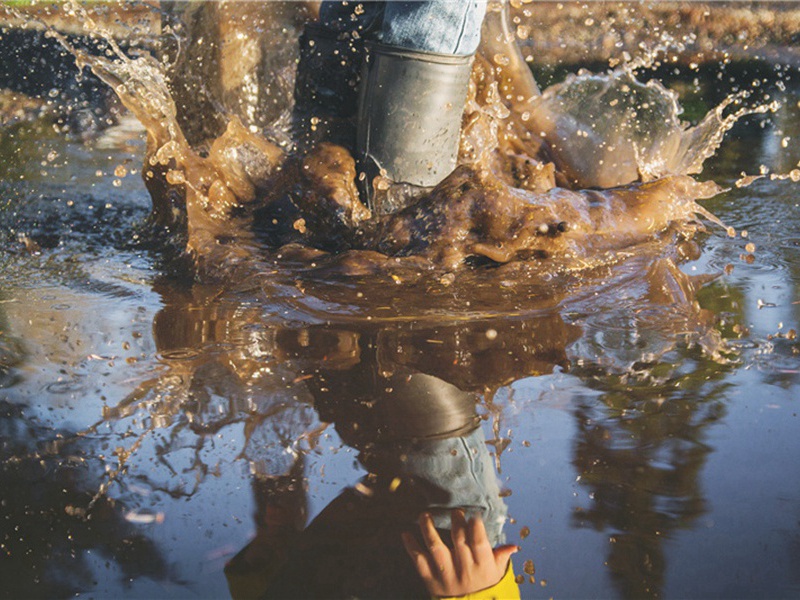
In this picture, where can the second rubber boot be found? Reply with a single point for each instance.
(409, 119)
(326, 88)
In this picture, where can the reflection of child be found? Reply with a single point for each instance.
(355, 546)
(420, 441)
(471, 568)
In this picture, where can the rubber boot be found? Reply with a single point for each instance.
(421, 406)
(409, 118)
(326, 88)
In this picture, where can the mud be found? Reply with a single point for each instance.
(516, 197)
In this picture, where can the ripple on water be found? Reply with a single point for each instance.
(180, 354)
(72, 385)
(791, 252)
(11, 355)
(778, 357)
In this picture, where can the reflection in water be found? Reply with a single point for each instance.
(11, 351)
(227, 363)
(49, 549)
(640, 451)
(418, 438)
(417, 435)
(399, 392)
(255, 378)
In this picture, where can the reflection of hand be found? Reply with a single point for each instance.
(472, 565)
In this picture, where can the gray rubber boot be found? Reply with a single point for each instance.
(421, 406)
(326, 88)
(409, 118)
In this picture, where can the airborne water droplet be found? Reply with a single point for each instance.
(501, 60)
(529, 567)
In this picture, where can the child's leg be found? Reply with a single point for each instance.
(443, 26)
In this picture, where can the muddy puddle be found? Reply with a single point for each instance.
(618, 397)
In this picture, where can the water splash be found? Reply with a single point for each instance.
(190, 190)
(610, 130)
(591, 131)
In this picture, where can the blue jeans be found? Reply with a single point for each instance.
(443, 26)
(460, 466)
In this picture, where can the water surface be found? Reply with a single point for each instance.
(645, 441)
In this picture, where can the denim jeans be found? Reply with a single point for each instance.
(460, 467)
(443, 26)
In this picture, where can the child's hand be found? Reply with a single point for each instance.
(472, 565)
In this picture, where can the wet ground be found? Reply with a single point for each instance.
(643, 426)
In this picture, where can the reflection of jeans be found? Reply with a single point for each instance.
(444, 26)
(460, 466)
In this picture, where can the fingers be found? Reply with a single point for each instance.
(478, 540)
(471, 565)
(502, 554)
(458, 526)
(462, 553)
(428, 531)
(439, 553)
(418, 555)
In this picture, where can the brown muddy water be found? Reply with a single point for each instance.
(629, 416)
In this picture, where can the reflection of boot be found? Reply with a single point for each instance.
(326, 87)
(409, 117)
